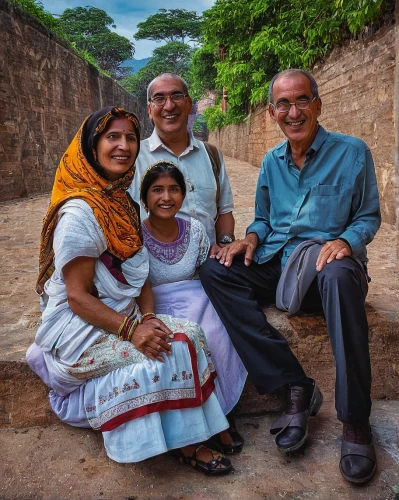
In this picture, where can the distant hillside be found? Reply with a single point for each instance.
(135, 64)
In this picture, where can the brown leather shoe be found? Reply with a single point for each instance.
(358, 460)
(291, 429)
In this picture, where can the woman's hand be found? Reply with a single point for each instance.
(151, 338)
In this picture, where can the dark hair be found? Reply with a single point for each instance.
(313, 84)
(162, 167)
(96, 124)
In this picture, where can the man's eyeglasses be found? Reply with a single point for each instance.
(284, 106)
(160, 100)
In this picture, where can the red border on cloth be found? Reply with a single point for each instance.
(201, 394)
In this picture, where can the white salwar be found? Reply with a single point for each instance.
(143, 407)
(177, 294)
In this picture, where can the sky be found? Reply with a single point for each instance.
(127, 13)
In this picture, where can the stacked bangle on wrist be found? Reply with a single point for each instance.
(126, 330)
(131, 330)
(145, 317)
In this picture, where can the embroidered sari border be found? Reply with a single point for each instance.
(165, 399)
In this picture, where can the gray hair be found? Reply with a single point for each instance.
(167, 75)
(313, 85)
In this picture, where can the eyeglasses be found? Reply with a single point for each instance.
(160, 100)
(284, 107)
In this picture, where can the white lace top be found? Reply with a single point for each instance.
(177, 260)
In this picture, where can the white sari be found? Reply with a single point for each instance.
(143, 407)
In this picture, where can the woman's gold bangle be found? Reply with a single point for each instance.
(132, 328)
(121, 328)
(145, 317)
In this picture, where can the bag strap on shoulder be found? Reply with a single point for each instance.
(214, 157)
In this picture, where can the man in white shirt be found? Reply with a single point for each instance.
(169, 106)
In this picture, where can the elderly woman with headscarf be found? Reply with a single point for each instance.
(144, 381)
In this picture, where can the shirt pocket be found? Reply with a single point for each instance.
(329, 208)
(205, 196)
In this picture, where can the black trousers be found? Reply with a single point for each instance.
(339, 289)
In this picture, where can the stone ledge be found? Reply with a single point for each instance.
(24, 401)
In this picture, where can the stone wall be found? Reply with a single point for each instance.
(356, 83)
(46, 90)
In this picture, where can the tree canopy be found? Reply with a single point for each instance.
(175, 27)
(170, 25)
(174, 57)
(88, 28)
(257, 38)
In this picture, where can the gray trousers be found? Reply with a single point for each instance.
(339, 289)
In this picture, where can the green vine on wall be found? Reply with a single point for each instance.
(261, 37)
(35, 9)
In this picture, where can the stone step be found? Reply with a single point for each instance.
(24, 400)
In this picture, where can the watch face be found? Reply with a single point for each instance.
(226, 239)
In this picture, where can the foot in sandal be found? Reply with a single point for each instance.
(205, 460)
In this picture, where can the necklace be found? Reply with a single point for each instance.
(161, 233)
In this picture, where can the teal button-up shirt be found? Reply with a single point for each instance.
(334, 195)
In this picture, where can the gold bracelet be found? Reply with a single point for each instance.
(132, 327)
(147, 315)
(122, 327)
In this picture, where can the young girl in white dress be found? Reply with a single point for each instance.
(177, 247)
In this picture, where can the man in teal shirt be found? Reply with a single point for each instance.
(315, 184)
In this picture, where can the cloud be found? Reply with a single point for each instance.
(127, 13)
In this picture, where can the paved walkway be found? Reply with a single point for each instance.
(60, 462)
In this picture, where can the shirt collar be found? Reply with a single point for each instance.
(155, 143)
(318, 141)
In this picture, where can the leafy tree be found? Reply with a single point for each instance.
(110, 50)
(170, 25)
(174, 57)
(203, 71)
(257, 38)
(137, 83)
(88, 28)
(81, 23)
(35, 9)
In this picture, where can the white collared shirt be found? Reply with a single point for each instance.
(194, 162)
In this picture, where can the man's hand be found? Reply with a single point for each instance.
(213, 251)
(247, 245)
(336, 249)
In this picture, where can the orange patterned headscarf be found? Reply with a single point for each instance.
(79, 176)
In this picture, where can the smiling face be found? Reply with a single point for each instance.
(171, 118)
(164, 197)
(299, 125)
(117, 148)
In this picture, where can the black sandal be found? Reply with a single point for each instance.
(207, 468)
(231, 448)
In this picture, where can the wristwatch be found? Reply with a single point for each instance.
(225, 239)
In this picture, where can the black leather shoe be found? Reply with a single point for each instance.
(358, 460)
(291, 429)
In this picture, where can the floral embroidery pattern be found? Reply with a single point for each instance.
(138, 402)
(173, 252)
(156, 379)
(116, 391)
